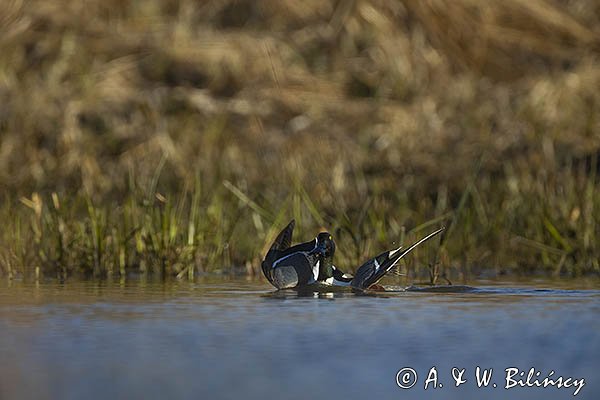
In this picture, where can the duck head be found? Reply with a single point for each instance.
(325, 249)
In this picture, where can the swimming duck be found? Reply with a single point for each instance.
(287, 266)
(312, 262)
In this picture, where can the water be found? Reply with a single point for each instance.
(240, 339)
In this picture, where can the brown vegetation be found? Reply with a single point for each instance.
(178, 136)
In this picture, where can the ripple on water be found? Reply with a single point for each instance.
(238, 338)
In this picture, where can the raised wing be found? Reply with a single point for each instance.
(284, 239)
(282, 242)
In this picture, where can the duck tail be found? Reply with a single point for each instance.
(374, 269)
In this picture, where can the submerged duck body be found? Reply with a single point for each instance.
(310, 263)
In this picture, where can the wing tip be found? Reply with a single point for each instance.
(284, 239)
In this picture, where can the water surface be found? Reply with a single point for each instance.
(233, 338)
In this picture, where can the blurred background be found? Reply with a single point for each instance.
(181, 136)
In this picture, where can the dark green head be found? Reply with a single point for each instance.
(326, 250)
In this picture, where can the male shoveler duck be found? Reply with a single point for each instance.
(312, 262)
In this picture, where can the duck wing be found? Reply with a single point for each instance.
(374, 269)
(284, 239)
(298, 256)
(282, 242)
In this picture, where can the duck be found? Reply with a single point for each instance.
(286, 266)
(371, 271)
(311, 263)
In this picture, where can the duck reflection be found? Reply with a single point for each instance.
(330, 293)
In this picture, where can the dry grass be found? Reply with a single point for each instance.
(178, 136)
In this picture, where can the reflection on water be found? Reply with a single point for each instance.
(238, 338)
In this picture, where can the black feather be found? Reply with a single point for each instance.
(369, 274)
(284, 239)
